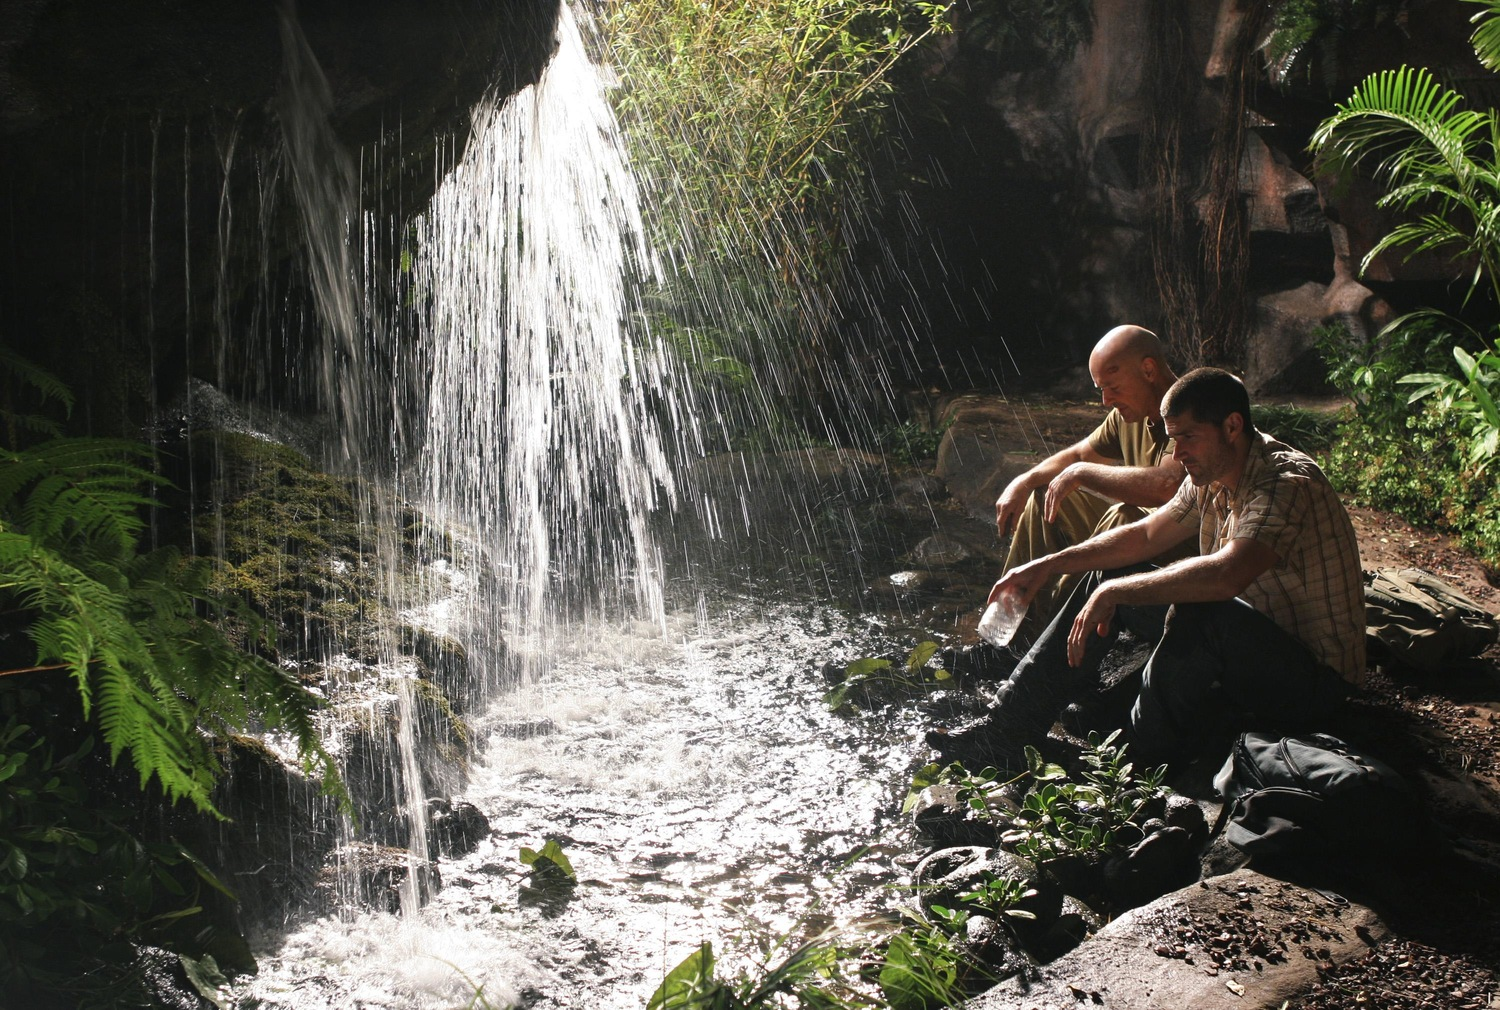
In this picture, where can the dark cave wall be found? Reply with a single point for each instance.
(144, 205)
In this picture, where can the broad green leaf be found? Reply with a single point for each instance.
(920, 655)
(865, 667)
(916, 976)
(206, 978)
(551, 858)
(689, 986)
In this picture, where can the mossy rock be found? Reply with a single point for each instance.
(286, 537)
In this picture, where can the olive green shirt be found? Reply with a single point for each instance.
(1134, 443)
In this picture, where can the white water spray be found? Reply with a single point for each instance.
(541, 438)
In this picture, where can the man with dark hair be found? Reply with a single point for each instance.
(1120, 471)
(1265, 625)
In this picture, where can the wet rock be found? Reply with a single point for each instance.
(900, 583)
(525, 729)
(916, 494)
(1163, 861)
(455, 828)
(980, 661)
(1163, 954)
(1076, 874)
(939, 549)
(990, 943)
(165, 980)
(278, 827)
(444, 660)
(1186, 813)
(1074, 924)
(941, 815)
(375, 876)
(943, 875)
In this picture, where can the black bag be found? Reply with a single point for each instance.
(1415, 619)
(1315, 795)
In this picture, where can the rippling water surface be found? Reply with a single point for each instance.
(702, 790)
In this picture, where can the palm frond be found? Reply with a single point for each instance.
(1486, 38)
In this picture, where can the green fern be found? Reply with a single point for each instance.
(48, 389)
(138, 632)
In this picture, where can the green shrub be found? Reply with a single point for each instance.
(1312, 431)
(1419, 473)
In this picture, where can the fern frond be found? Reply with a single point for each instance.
(44, 382)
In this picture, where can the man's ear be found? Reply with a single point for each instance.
(1148, 369)
(1233, 425)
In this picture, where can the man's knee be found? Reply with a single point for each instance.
(1118, 515)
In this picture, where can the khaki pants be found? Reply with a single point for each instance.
(1081, 515)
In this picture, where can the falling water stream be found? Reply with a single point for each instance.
(669, 732)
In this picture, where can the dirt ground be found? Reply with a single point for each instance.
(1445, 951)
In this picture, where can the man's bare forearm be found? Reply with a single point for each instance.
(1146, 486)
(1116, 548)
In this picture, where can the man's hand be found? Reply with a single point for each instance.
(1011, 501)
(1023, 579)
(1061, 486)
(1094, 618)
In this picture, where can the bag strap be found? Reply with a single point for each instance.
(1400, 586)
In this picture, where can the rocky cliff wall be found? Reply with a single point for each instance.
(1157, 172)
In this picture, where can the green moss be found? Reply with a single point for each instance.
(287, 537)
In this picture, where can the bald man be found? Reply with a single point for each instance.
(1111, 478)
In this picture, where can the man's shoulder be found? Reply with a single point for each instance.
(1280, 461)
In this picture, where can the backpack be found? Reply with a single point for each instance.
(1415, 619)
(1315, 795)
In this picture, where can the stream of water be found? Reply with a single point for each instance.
(699, 785)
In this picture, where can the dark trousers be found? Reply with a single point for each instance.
(1217, 667)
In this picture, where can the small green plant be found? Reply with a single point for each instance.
(909, 442)
(1312, 431)
(1059, 816)
(550, 863)
(996, 896)
(923, 968)
(931, 775)
(1369, 372)
(883, 674)
(812, 975)
(1417, 472)
(76, 879)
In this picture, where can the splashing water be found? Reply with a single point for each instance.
(540, 435)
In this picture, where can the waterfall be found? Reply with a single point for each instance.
(534, 406)
(542, 438)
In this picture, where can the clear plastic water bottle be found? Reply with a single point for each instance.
(1002, 618)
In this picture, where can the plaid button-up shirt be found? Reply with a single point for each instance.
(1315, 591)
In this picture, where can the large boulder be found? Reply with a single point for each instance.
(1248, 940)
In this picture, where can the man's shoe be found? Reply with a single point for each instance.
(981, 661)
